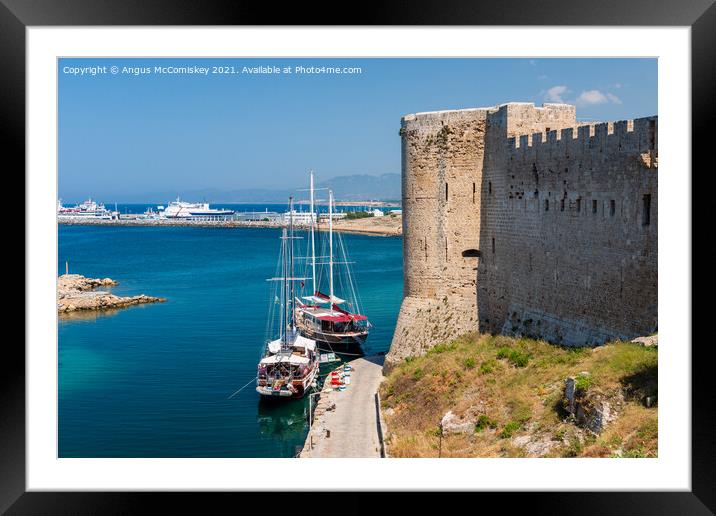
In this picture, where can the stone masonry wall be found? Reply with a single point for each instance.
(517, 219)
(442, 156)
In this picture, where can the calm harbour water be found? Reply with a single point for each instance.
(154, 380)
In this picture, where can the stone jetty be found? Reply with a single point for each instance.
(76, 292)
(375, 226)
(347, 424)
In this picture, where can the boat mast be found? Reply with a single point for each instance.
(290, 255)
(313, 241)
(284, 311)
(330, 244)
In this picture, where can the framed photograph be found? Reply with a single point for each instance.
(419, 253)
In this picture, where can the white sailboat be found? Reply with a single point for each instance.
(290, 363)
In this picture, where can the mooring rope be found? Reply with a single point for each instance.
(242, 388)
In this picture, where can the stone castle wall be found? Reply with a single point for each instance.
(518, 219)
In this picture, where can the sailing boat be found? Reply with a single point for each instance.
(320, 316)
(290, 363)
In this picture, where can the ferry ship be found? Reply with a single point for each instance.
(180, 210)
(85, 210)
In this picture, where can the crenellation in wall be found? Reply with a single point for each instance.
(519, 219)
(600, 138)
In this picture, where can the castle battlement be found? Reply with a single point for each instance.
(520, 219)
(621, 136)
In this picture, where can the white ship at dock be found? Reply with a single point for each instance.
(85, 210)
(183, 210)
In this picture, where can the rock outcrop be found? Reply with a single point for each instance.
(590, 409)
(453, 424)
(76, 292)
(651, 340)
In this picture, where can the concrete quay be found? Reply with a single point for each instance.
(347, 424)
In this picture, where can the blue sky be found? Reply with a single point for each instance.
(124, 133)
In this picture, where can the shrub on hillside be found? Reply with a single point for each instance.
(515, 357)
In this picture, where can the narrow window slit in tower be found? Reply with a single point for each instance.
(652, 134)
(473, 193)
(446, 192)
(594, 206)
(646, 216)
(612, 207)
(493, 245)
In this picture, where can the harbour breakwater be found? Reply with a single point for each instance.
(377, 226)
(76, 292)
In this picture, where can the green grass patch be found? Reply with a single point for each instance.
(509, 429)
(484, 422)
(442, 348)
(515, 357)
(582, 383)
(487, 367)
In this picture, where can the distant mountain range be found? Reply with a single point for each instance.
(363, 187)
(357, 187)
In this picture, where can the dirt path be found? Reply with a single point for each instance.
(346, 423)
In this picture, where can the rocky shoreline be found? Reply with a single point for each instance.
(76, 293)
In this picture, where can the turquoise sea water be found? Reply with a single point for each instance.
(154, 380)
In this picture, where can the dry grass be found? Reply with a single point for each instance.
(517, 386)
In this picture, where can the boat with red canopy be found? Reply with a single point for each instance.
(330, 320)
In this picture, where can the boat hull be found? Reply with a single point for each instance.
(300, 387)
(346, 348)
(211, 213)
(350, 343)
(329, 337)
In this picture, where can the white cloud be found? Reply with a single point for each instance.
(558, 93)
(591, 98)
(554, 94)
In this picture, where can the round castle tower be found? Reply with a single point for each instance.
(444, 154)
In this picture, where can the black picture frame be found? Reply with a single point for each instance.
(16, 15)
